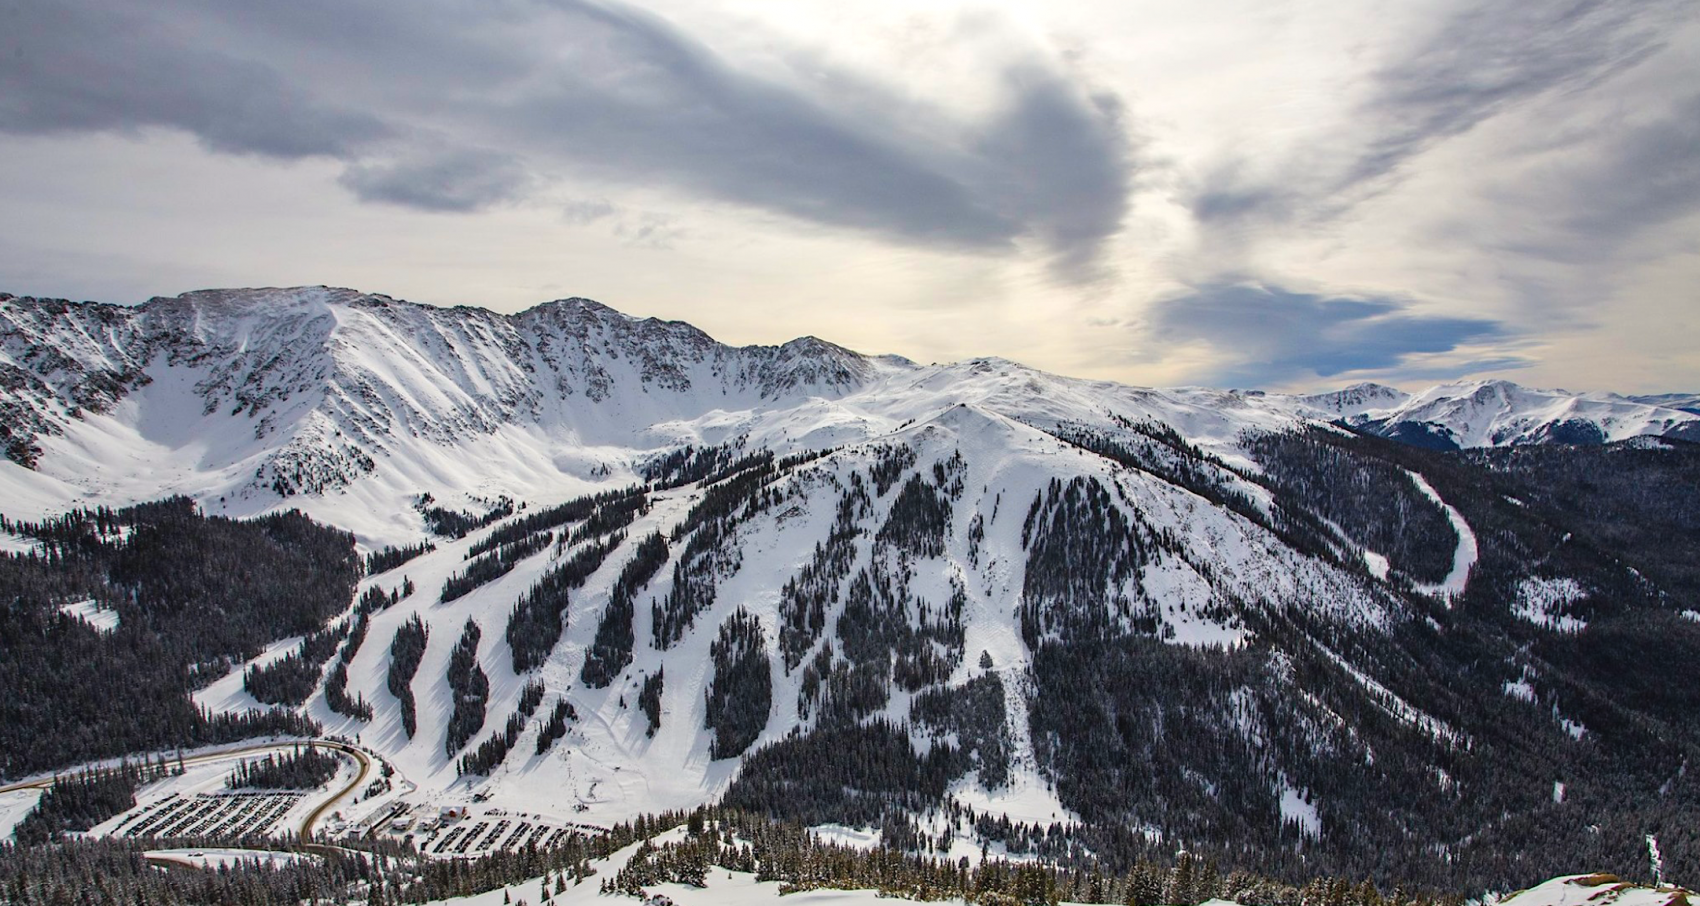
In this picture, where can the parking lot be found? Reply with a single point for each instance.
(222, 815)
(475, 837)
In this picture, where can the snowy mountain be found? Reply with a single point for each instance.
(1687, 402)
(242, 398)
(967, 604)
(255, 395)
(1500, 413)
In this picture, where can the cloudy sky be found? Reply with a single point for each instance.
(1262, 193)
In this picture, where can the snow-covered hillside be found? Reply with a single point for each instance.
(1500, 413)
(967, 604)
(348, 404)
(614, 768)
(1598, 890)
(726, 888)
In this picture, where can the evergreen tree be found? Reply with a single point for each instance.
(471, 689)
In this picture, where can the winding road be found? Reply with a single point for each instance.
(359, 778)
(361, 759)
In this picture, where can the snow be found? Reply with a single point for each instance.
(205, 857)
(562, 397)
(1596, 890)
(1397, 707)
(608, 768)
(1356, 399)
(1520, 690)
(1498, 413)
(853, 837)
(571, 397)
(90, 612)
(1464, 557)
(225, 694)
(1558, 791)
(14, 806)
(1542, 601)
(1298, 808)
(724, 888)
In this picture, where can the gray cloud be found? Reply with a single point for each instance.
(1494, 56)
(1063, 166)
(649, 230)
(575, 90)
(451, 180)
(645, 100)
(1266, 334)
(585, 211)
(65, 68)
(1647, 174)
(1484, 60)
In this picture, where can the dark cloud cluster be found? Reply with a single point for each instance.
(457, 106)
(69, 67)
(1268, 335)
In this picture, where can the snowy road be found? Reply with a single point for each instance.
(361, 759)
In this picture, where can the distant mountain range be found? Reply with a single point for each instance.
(1438, 637)
(243, 397)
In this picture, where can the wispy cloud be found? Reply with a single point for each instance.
(1483, 60)
(1644, 174)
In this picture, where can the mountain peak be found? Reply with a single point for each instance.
(1356, 399)
(578, 304)
(316, 387)
(259, 299)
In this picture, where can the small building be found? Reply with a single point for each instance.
(452, 813)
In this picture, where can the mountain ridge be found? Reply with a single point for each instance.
(331, 386)
(972, 603)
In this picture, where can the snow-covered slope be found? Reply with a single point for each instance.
(1500, 413)
(1356, 399)
(241, 398)
(348, 404)
(1597, 890)
(612, 768)
(1687, 402)
(247, 396)
(1184, 612)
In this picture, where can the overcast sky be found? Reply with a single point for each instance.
(1262, 193)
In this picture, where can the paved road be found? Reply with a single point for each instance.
(359, 778)
(306, 832)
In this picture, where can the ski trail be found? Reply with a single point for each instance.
(1463, 558)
